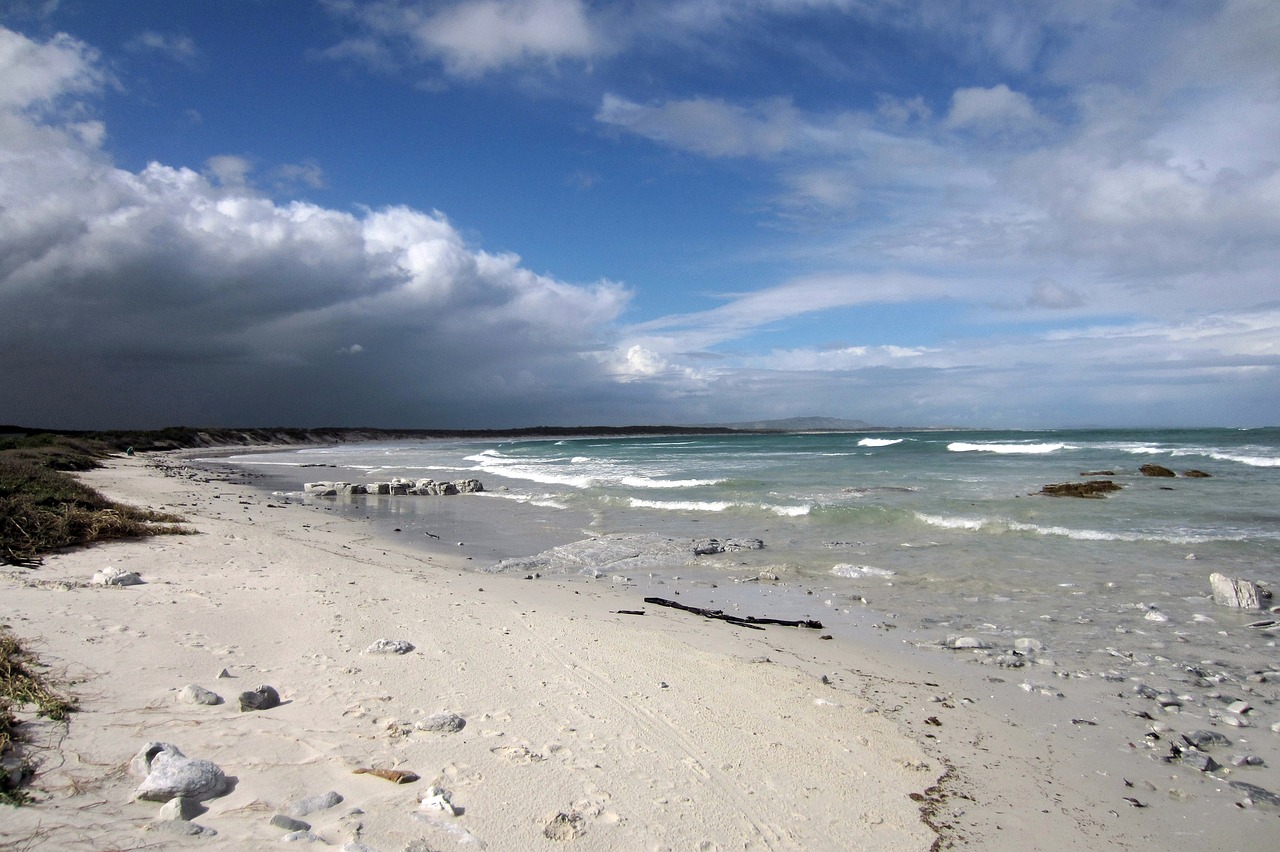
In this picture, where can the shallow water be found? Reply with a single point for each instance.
(942, 532)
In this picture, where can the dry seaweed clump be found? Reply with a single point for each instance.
(1095, 488)
(23, 686)
(43, 508)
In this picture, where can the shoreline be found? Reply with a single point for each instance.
(663, 731)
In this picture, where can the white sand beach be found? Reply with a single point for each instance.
(585, 728)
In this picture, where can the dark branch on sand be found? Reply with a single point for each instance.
(750, 621)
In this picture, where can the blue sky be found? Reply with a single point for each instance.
(493, 213)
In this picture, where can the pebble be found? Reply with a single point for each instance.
(263, 698)
(1028, 646)
(1247, 760)
(193, 694)
(311, 804)
(301, 837)
(1240, 707)
(389, 646)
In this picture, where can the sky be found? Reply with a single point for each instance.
(504, 213)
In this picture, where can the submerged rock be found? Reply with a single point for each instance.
(1095, 488)
(1155, 470)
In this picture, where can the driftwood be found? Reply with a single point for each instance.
(750, 621)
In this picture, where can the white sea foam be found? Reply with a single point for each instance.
(880, 442)
(1006, 449)
(953, 523)
(854, 572)
(1252, 461)
(679, 505)
(646, 482)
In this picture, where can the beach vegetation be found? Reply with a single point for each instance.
(25, 687)
(44, 508)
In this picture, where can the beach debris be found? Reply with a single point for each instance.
(311, 804)
(169, 774)
(1155, 470)
(395, 776)
(114, 576)
(629, 612)
(263, 698)
(193, 694)
(288, 823)
(437, 799)
(564, 826)
(389, 646)
(443, 723)
(750, 621)
(180, 808)
(1238, 593)
(1093, 489)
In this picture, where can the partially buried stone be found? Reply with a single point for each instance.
(173, 775)
(1206, 739)
(1232, 592)
(289, 823)
(263, 698)
(444, 723)
(113, 576)
(1199, 760)
(180, 808)
(180, 828)
(389, 646)
(301, 837)
(193, 694)
(311, 804)
(1256, 794)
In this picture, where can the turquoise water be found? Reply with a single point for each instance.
(935, 528)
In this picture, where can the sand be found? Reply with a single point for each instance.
(585, 727)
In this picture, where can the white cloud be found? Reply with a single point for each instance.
(994, 110)
(35, 75)
(180, 48)
(472, 37)
(710, 126)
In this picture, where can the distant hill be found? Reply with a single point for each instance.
(805, 424)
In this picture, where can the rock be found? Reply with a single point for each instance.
(1195, 474)
(1256, 794)
(468, 486)
(1155, 470)
(302, 837)
(113, 576)
(389, 646)
(1199, 760)
(1205, 739)
(1027, 646)
(288, 823)
(1247, 760)
(444, 723)
(966, 642)
(180, 827)
(1096, 488)
(193, 694)
(1239, 707)
(1241, 594)
(311, 804)
(180, 808)
(171, 775)
(263, 698)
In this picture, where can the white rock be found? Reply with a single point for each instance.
(389, 646)
(113, 576)
(1228, 591)
(172, 775)
(193, 694)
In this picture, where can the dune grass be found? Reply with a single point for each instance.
(44, 508)
(23, 687)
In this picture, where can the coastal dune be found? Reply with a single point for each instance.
(581, 725)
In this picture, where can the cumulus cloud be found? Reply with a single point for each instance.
(994, 110)
(471, 38)
(166, 295)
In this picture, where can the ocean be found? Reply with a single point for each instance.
(938, 533)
